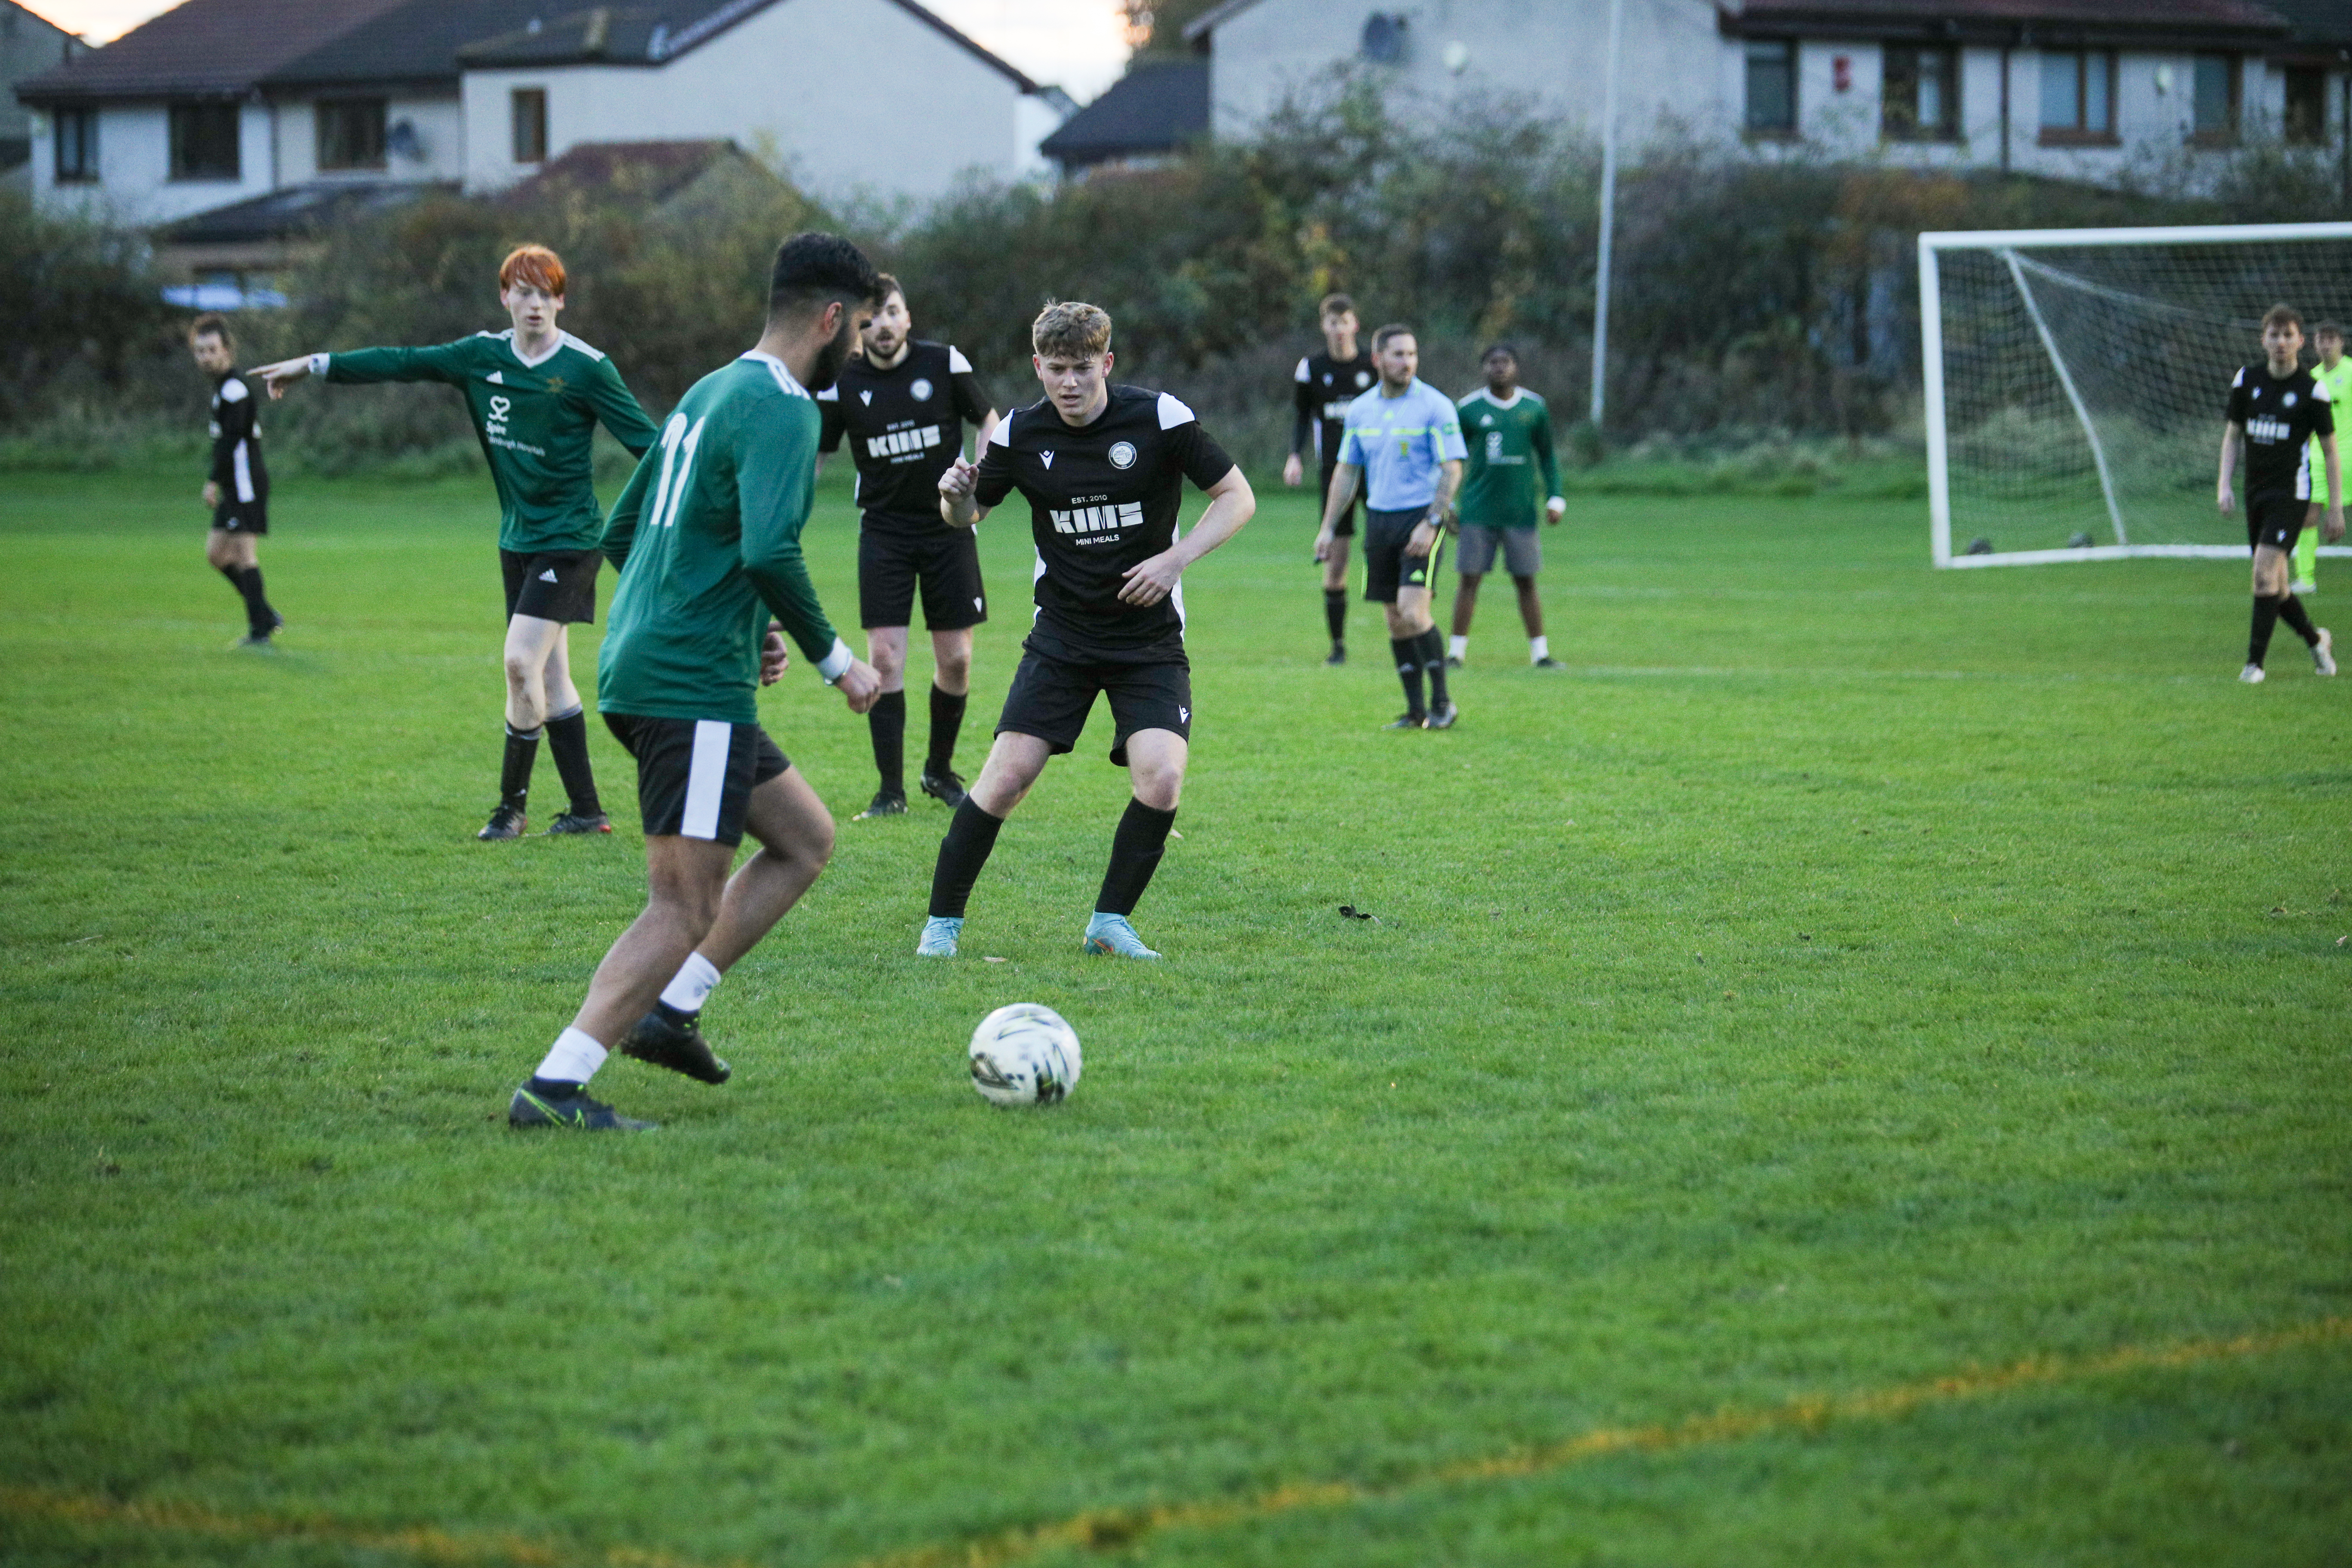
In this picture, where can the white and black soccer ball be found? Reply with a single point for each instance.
(1024, 1055)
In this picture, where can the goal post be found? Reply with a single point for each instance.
(2074, 381)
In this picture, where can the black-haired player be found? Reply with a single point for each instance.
(1323, 387)
(903, 406)
(1103, 469)
(2276, 409)
(237, 487)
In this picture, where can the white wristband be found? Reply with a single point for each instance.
(318, 364)
(835, 665)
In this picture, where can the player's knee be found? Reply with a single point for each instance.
(954, 664)
(522, 671)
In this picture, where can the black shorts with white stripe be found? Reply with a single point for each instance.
(552, 584)
(694, 776)
(242, 517)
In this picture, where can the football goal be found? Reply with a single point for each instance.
(2075, 381)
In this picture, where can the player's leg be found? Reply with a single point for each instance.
(1012, 766)
(2306, 554)
(1415, 599)
(1152, 707)
(567, 740)
(233, 550)
(1335, 570)
(1465, 606)
(1523, 558)
(2270, 586)
(1384, 566)
(531, 639)
(951, 692)
(886, 722)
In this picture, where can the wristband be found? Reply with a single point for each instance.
(836, 664)
(319, 364)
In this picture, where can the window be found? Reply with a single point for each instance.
(1771, 86)
(2078, 96)
(1922, 96)
(350, 133)
(2306, 106)
(204, 141)
(2216, 100)
(74, 133)
(529, 113)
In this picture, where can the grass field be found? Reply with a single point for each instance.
(1855, 1071)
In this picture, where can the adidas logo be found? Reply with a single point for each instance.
(547, 575)
(496, 378)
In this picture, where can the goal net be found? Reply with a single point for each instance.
(2075, 381)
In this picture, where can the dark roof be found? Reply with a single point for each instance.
(416, 40)
(652, 172)
(202, 49)
(2324, 25)
(2131, 23)
(1157, 106)
(294, 212)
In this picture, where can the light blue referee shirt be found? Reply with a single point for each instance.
(1401, 443)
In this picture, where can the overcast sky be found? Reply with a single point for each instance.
(1073, 43)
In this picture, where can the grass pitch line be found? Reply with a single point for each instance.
(1110, 1528)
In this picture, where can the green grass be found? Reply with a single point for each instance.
(1846, 975)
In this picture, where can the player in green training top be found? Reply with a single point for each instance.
(708, 540)
(1509, 432)
(535, 394)
(2333, 371)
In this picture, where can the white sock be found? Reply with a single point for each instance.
(691, 985)
(1539, 647)
(574, 1059)
(1457, 648)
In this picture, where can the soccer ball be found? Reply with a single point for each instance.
(1024, 1055)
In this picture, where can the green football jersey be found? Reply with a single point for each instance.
(706, 538)
(2338, 382)
(1507, 441)
(536, 424)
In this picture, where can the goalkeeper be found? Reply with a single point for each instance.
(2334, 372)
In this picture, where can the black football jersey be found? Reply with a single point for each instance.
(904, 427)
(1324, 387)
(1102, 497)
(235, 431)
(2281, 414)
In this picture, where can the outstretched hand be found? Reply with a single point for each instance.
(275, 378)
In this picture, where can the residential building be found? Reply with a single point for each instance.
(29, 45)
(1144, 117)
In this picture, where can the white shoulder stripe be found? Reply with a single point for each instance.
(1301, 372)
(232, 390)
(2238, 379)
(830, 394)
(1003, 434)
(571, 342)
(957, 364)
(1173, 413)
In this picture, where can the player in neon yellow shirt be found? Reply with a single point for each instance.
(2333, 371)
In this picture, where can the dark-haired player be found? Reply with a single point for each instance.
(1509, 429)
(1103, 469)
(237, 487)
(2334, 371)
(1324, 384)
(708, 540)
(2276, 409)
(902, 404)
(535, 394)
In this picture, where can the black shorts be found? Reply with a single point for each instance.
(243, 517)
(1346, 527)
(1051, 696)
(2275, 520)
(1386, 567)
(552, 584)
(945, 560)
(694, 776)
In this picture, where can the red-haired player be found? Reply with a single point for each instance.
(535, 392)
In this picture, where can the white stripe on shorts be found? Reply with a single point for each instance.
(705, 777)
(244, 467)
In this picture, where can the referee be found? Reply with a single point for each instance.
(1404, 440)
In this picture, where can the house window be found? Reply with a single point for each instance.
(529, 114)
(2078, 96)
(2216, 100)
(204, 141)
(74, 133)
(350, 133)
(1921, 100)
(2306, 106)
(1771, 86)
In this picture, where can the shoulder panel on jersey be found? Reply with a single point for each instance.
(2238, 379)
(957, 364)
(234, 390)
(1003, 434)
(1173, 413)
(830, 394)
(571, 343)
(1302, 374)
(486, 332)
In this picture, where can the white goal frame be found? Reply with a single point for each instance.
(1931, 360)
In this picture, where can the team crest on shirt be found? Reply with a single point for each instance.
(1484, 420)
(556, 384)
(1122, 454)
(1363, 378)
(2289, 400)
(921, 389)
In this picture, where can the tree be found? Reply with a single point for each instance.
(1156, 27)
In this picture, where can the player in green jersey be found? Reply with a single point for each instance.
(1509, 432)
(2333, 371)
(535, 394)
(708, 540)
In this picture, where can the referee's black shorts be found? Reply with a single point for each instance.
(892, 561)
(2276, 518)
(1346, 527)
(552, 584)
(1051, 696)
(694, 776)
(1386, 567)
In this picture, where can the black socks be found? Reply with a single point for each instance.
(1135, 851)
(946, 722)
(2267, 615)
(1432, 644)
(1335, 613)
(886, 720)
(259, 618)
(514, 776)
(2290, 611)
(1408, 665)
(567, 737)
(971, 835)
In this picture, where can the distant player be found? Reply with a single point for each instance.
(1404, 441)
(1325, 385)
(237, 487)
(903, 403)
(1509, 432)
(2276, 411)
(1103, 469)
(706, 538)
(2333, 371)
(535, 392)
